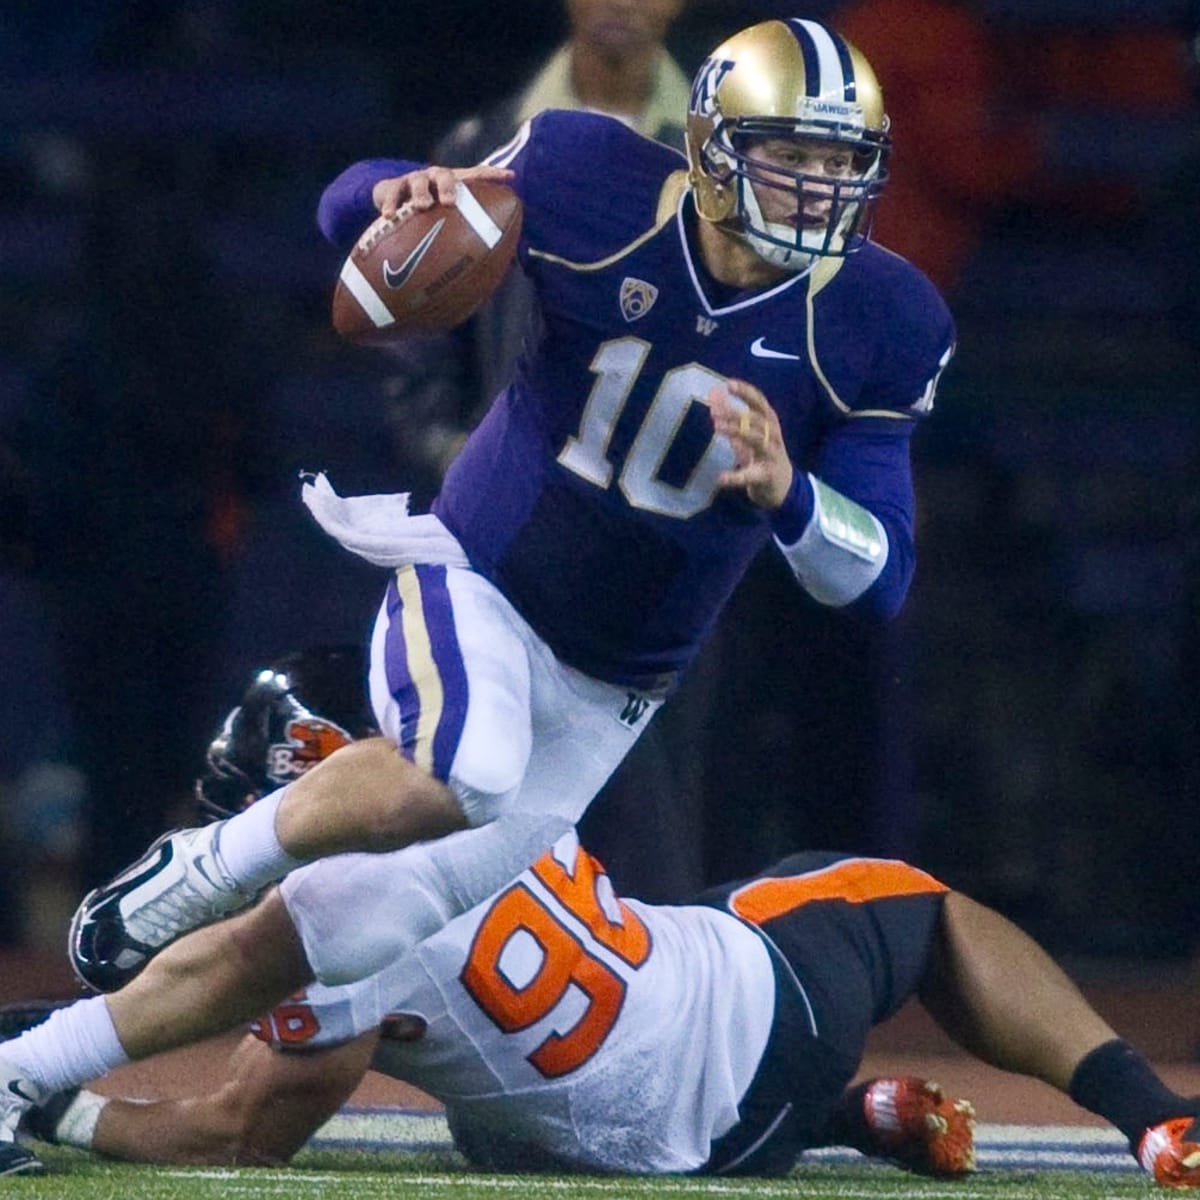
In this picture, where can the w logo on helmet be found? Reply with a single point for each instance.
(309, 740)
(703, 100)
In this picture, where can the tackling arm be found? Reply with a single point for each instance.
(269, 1104)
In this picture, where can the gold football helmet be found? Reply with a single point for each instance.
(798, 80)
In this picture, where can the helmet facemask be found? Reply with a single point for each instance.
(843, 203)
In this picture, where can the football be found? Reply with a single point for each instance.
(423, 272)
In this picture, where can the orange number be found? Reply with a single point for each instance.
(290, 1024)
(630, 940)
(564, 962)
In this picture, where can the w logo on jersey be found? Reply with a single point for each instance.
(634, 709)
(637, 297)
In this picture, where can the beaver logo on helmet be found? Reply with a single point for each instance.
(308, 739)
(295, 712)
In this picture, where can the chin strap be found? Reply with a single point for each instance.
(750, 229)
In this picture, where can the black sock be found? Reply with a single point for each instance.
(1117, 1083)
(848, 1123)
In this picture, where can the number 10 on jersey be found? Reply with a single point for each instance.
(618, 364)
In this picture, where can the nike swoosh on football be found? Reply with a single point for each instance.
(760, 351)
(397, 277)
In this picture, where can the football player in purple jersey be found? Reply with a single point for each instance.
(724, 361)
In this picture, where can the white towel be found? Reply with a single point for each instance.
(380, 528)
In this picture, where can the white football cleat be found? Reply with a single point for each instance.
(178, 885)
(17, 1097)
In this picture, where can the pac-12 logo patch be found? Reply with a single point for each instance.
(637, 297)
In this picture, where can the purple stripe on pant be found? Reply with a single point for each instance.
(425, 671)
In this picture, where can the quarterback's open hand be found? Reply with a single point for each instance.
(429, 186)
(764, 470)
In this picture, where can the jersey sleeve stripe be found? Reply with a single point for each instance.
(504, 155)
(854, 880)
(604, 262)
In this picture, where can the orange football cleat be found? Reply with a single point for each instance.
(918, 1127)
(1171, 1152)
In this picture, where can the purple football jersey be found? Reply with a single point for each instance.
(588, 494)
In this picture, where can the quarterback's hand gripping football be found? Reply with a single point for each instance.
(764, 470)
(429, 186)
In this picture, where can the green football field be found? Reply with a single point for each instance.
(383, 1153)
(357, 1175)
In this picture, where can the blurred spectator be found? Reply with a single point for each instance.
(959, 150)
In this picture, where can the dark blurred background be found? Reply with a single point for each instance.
(1026, 729)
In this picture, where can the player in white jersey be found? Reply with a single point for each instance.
(302, 1059)
(545, 1020)
(564, 1027)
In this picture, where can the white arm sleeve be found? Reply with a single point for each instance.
(842, 550)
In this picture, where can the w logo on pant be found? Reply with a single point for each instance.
(634, 710)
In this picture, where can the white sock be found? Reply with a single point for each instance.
(76, 1044)
(248, 847)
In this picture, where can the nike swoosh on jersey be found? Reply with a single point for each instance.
(397, 277)
(14, 1086)
(760, 351)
